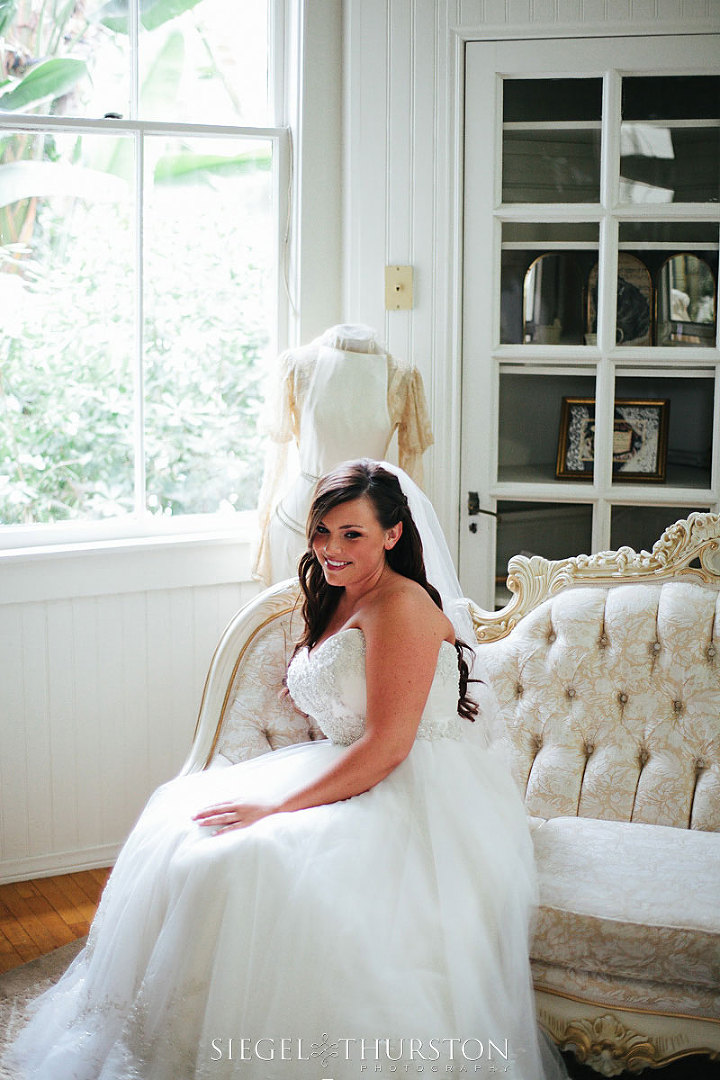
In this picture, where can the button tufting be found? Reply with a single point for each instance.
(656, 646)
(643, 756)
(551, 637)
(602, 641)
(700, 764)
(711, 650)
(519, 690)
(622, 698)
(678, 706)
(571, 691)
(589, 748)
(537, 741)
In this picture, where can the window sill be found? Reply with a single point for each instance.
(127, 564)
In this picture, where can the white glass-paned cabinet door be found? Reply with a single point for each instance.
(591, 227)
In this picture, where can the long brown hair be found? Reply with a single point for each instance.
(356, 480)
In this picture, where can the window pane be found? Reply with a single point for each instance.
(682, 260)
(66, 293)
(553, 530)
(639, 527)
(562, 165)
(551, 99)
(671, 97)
(544, 278)
(208, 65)
(669, 235)
(530, 421)
(551, 140)
(664, 164)
(686, 456)
(209, 269)
(670, 139)
(64, 61)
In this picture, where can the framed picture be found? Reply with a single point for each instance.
(634, 302)
(639, 439)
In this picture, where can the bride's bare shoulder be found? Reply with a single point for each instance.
(403, 608)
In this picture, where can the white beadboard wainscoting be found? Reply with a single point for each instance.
(104, 654)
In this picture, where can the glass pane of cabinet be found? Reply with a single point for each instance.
(545, 273)
(668, 431)
(553, 530)
(639, 527)
(551, 140)
(680, 260)
(670, 139)
(530, 415)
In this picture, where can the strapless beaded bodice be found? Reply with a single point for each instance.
(329, 685)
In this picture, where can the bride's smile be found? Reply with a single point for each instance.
(350, 544)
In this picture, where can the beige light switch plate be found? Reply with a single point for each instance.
(398, 287)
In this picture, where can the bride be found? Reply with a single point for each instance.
(356, 906)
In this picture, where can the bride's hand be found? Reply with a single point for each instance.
(231, 815)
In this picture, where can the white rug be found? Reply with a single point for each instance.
(19, 986)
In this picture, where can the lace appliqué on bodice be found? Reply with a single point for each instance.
(329, 685)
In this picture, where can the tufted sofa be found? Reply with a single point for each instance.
(606, 674)
(603, 695)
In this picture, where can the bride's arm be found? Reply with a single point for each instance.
(402, 646)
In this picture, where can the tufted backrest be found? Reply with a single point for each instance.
(244, 712)
(257, 717)
(609, 702)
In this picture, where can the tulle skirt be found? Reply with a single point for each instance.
(387, 934)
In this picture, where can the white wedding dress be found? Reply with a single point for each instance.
(384, 934)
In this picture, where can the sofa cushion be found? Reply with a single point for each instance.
(609, 703)
(615, 900)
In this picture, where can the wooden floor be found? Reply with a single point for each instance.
(39, 916)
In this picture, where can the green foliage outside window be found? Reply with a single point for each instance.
(68, 389)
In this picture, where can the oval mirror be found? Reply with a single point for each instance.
(685, 302)
(552, 301)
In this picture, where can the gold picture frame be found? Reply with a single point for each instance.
(640, 439)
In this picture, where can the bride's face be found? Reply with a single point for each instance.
(350, 543)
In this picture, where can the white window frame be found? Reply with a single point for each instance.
(141, 529)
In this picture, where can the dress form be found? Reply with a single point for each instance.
(340, 397)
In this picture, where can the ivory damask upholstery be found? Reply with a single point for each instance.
(606, 675)
(244, 710)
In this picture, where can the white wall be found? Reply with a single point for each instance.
(104, 657)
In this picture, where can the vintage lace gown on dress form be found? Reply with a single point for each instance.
(336, 400)
(399, 914)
